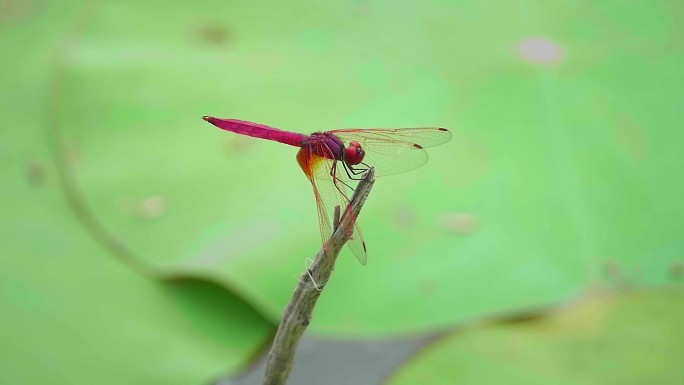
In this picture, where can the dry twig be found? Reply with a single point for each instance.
(298, 312)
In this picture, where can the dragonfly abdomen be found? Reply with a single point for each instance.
(256, 130)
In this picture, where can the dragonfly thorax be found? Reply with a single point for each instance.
(330, 146)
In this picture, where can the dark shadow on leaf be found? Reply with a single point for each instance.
(210, 307)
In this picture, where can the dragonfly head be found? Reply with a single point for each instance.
(353, 154)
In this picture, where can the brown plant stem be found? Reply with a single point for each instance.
(298, 312)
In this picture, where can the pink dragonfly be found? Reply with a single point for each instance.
(334, 159)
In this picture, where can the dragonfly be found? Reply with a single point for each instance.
(333, 160)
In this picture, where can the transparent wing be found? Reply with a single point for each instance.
(330, 191)
(423, 136)
(397, 150)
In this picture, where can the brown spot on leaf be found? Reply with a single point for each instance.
(148, 208)
(13, 12)
(677, 270)
(214, 34)
(363, 9)
(631, 137)
(72, 149)
(234, 144)
(540, 50)
(459, 223)
(405, 217)
(152, 207)
(35, 173)
(428, 287)
(613, 270)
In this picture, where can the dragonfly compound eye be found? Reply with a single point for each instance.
(353, 154)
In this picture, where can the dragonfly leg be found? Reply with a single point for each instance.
(358, 173)
(333, 174)
(353, 171)
(365, 169)
(347, 171)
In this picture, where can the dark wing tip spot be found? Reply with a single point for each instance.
(443, 129)
(364, 246)
(417, 145)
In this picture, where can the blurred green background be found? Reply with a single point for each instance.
(141, 245)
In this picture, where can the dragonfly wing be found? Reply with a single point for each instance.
(395, 151)
(331, 192)
(311, 164)
(422, 136)
(357, 245)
